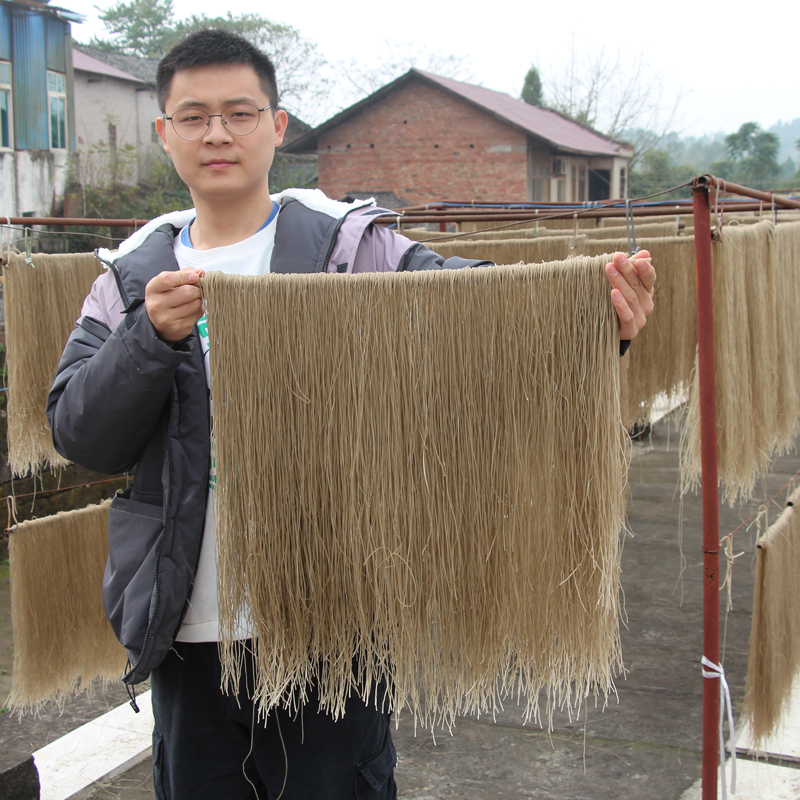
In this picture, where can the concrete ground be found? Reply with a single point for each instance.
(644, 744)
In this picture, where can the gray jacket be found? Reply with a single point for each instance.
(122, 398)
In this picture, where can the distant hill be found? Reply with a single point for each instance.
(701, 151)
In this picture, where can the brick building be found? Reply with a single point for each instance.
(425, 138)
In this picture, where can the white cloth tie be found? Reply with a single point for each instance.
(716, 671)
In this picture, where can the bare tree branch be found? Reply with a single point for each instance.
(619, 95)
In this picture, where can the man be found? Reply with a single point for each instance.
(132, 389)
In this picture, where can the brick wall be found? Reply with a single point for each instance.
(424, 144)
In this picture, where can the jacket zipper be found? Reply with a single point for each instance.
(167, 505)
(117, 277)
(332, 244)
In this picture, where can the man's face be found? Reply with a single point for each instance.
(221, 165)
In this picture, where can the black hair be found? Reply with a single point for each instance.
(211, 47)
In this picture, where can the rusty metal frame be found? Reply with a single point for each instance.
(702, 189)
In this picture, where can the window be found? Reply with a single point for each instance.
(5, 104)
(57, 100)
(541, 181)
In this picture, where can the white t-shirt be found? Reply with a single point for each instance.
(249, 257)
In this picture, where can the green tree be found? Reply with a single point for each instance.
(532, 88)
(138, 28)
(148, 28)
(656, 173)
(752, 157)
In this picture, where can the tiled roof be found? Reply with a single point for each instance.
(144, 69)
(560, 132)
(86, 63)
(551, 126)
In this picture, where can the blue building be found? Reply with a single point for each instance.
(37, 115)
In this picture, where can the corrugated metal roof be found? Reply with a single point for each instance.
(85, 63)
(557, 130)
(45, 7)
(561, 133)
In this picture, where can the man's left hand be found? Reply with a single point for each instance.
(632, 282)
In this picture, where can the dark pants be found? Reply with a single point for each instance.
(210, 746)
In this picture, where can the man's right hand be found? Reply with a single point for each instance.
(174, 303)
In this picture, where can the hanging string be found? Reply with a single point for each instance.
(785, 486)
(24, 228)
(11, 507)
(85, 485)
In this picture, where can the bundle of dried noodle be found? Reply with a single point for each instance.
(514, 232)
(62, 639)
(662, 359)
(746, 353)
(649, 229)
(774, 660)
(785, 272)
(42, 303)
(553, 223)
(512, 251)
(422, 235)
(654, 219)
(421, 474)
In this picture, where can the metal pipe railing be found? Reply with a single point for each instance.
(442, 213)
(719, 184)
(72, 221)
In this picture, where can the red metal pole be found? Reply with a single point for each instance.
(708, 444)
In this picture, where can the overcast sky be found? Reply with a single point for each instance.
(729, 62)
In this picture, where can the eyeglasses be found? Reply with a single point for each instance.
(239, 119)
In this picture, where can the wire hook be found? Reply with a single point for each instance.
(28, 247)
(630, 228)
(11, 507)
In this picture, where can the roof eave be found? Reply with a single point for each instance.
(309, 142)
(502, 118)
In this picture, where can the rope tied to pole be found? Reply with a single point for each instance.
(717, 672)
